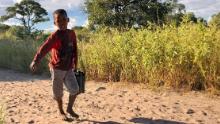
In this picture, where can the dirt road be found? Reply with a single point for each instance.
(27, 100)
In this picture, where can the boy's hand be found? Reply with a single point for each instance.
(33, 66)
(74, 67)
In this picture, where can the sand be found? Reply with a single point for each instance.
(27, 99)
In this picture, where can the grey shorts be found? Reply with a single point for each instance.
(67, 78)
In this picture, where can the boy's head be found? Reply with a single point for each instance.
(60, 19)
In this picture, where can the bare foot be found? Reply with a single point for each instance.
(72, 113)
(63, 116)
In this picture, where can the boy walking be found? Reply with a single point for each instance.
(63, 46)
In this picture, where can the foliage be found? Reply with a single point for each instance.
(14, 33)
(127, 13)
(17, 54)
(82, 33)
(3, 28)
(179, 57)
(123, 14)
(215, 20)
(179, 18)
(28, 12)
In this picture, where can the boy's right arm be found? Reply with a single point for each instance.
(42, 51)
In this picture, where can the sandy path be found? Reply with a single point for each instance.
(27, 100)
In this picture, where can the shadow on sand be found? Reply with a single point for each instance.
(136, 120)
(150, 121)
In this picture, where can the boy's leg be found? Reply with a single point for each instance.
(73, 88)
(60, 107)
(57, 79)
(72, 99)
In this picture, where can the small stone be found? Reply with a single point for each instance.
(200, 121)
(34, 112)
(164, 106)
(204, 113)
(31, 122)
(101, 88)
(190, 111)
(89, 93)
(12, 120)
(130, 109)
(119, 107)
(122, 118)
(156, 98)
(137, 108)
(10, 111)
(124, 92)
(164, 94)
(120, 95)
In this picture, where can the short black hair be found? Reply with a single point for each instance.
(60, 12)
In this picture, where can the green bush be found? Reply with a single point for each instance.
(179, 57)
(18, 54)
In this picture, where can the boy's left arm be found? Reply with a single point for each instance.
(75, 51)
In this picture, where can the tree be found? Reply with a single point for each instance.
(177, 11)
(215, 20)
(175, 7)
(126, 13)
(28, 12)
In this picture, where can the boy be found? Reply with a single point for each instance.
(63, 46)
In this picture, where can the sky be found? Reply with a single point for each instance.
(74, 8)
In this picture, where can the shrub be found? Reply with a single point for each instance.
(185, 56)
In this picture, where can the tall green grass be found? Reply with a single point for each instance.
(181, 57)
(18, 54)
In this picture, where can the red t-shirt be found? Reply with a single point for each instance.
(63, 47)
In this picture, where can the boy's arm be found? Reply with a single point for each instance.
(75, 55)
(42, 51)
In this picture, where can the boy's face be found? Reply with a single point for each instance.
(61, 21)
